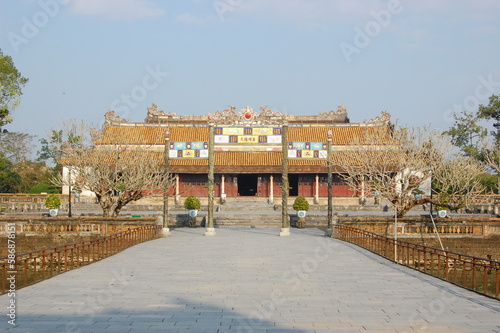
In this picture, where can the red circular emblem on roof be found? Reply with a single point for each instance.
(248, 113)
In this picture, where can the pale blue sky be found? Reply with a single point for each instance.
(419, 60)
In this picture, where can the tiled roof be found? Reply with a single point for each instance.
(132, 135)
(242, 161)
(151, 135)
(341, 135)
(189, 134)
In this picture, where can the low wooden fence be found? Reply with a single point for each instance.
(76, 225)
(450, 228)
(477, 274)
(20, 270)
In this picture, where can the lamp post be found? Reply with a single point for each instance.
(210, 230)
(285, 225)
(166, 180)
(330, 184)
(497, 145)
(69, 193)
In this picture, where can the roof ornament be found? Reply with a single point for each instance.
(247, 113)
(153, 111)
(334, 115)
(385, 118)
(111, 119)
(247, 117)
(228, 116)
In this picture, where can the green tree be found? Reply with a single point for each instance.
(490, 183)
(9, 180)
(491, 111)
(11, 84)
(16, 147)
(466, 133)
(51, 146)
(32, 174)
(72, 136)
(491, 151)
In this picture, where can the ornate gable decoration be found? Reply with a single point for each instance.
(334, 115)
(110, 119)
(385, 118)
(153, 111)
(247, 117)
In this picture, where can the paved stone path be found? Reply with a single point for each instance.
(248, 280)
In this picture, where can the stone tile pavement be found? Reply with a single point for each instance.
(248, 280)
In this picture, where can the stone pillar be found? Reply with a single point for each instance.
(210, 230)
(316, 192)
(222, 185)
(223, 188)
(271, 189)
(363, 194)
(177, 190)
(285, 224)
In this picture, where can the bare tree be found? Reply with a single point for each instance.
(73, 134)
(490, 153)
(457, 182)
(118, 173)
(393, 163)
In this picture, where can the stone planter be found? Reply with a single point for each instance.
(192, 213)
(301, 219)
(442, 213)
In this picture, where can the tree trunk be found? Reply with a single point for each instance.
(402, 211)
(116, 211)
(124, 200)
(105, 202)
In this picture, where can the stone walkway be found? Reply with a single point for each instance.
(248, 280)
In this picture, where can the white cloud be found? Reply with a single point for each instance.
(190, 19)
(117, 9)
(311, 11)
(333, 11)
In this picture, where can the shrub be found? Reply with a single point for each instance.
(53, 202)
(43, 188)
(192, 202)
(301, 204)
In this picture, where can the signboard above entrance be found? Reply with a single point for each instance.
(247, 135)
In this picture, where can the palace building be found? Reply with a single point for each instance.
(249, 149)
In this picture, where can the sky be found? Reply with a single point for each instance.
(421, 61)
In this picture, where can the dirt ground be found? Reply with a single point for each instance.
(476, 247)
(25, 244)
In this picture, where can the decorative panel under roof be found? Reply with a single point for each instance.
(238, 162)
(248, 158)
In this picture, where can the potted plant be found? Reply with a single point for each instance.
(301, 206)
(192, 204)
(53, 203)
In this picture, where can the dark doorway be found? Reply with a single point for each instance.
(293, 184)
(247, 185)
